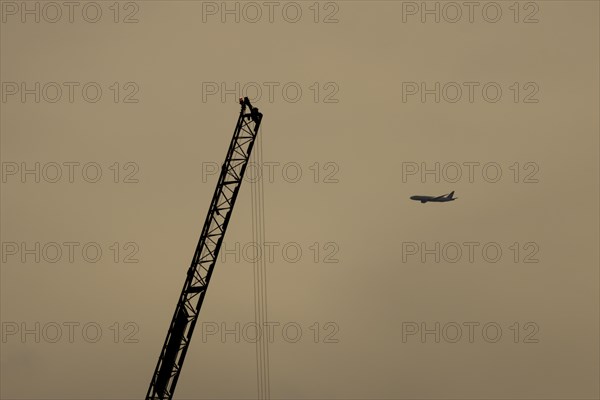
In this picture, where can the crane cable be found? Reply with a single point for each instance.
(260, 275)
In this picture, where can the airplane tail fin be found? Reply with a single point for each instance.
(451, 194)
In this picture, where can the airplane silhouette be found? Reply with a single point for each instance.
(439, 199)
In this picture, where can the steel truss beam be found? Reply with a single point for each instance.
(190, 301)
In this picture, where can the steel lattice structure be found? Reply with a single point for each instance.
(192, 296)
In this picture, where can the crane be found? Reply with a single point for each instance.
(170, 361)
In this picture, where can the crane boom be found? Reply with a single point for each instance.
(190, 301)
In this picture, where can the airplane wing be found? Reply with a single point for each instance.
(440, 197)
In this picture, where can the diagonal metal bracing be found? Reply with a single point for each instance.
(179, 335)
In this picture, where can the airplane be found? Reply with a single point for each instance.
(439, 199)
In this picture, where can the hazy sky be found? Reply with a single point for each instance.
(111, 132)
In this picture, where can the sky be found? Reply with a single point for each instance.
(115, 117)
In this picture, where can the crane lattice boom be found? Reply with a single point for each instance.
(190, 301)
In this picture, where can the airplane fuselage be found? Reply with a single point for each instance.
(434, 199)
